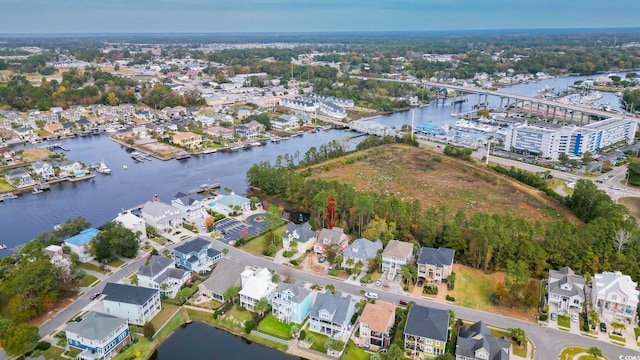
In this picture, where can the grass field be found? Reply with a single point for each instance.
(89, 266)
(36, 154)
(272, 326)
(633, 204)
(437, 180)
(87, 280)
(54, 353)
(571, 352)
(4, 186)
(163, 315)
(564, 321)
(353, 352)
(115, 263)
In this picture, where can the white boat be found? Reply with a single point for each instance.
(3, 246)
(36, 191)
(124, 167)
(209, 151)
(102, 168)
(255, 143)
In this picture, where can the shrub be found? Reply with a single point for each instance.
(294, 262)
(43, 345)
(450, 298)
(303, 335)
(333, 272)
(543, 317)
(217, 314)
(148, 330)
(365, 279)
(249, 325)
(287, 253)
(431, 289)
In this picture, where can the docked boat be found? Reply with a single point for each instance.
(124, 167)
(256, 143)
(102, 168)
(182, 155)
(3, 246)
(36, 191)
(209, 151)
(10, 196)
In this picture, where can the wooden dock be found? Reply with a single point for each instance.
(203, 188)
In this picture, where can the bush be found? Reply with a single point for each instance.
(303, 335)
(217, 314)
(43, 345)
(148, 330)
(543, 317)
(430, 289)
(287, 253)
(249, 325)
(450, 298)
(365, 279)
(294, 262)
(333, 272)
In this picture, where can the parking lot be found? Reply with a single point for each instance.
(232, 229)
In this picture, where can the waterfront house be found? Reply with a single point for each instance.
(475, 342)
(426, 331)
(71, 168)
(79, 244)
(196, 255)
(42, 169)
(187, 139)
(133, 223)
(218, 131)
(19, 177)
(328, 237)
(300, 233)
(161, 273)
(58, 258)
(162, 217)
(291, 303)
(566, 289)
(137, 305)
(190, 208)
(256, 284)
(25, 132)
(396, 254)
(376, 322)
(361, 250)
(250, 130)
(53, 128)
(331, 314)
(435, 264)
(285, 122)
(615, 296)
(225, 275)
(98, 336)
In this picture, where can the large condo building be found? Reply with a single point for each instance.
(550, 140)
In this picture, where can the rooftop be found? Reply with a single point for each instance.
(127, 293)
(377, 315)
(427, 322)
(438, 257)
(83, 238)
(194, 245)
(96, 326)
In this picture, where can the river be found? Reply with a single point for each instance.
(100, 199)
(202, 341)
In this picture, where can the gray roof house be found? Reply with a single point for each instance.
(435, 264)
(566, 289)
(476, 343)
(426, 331)
(196, 255)
(161, 270)
(300, 233)
(327, 237)
(19, 177)
(362, 250)
(291, 303)
(331, 314)
(98, 335)
(225, 275)
(161, 216)
(137, 305)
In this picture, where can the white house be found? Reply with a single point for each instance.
(42, 169)
(396, 254)
(256, 284)
(133, 223)
(566, 289)
(97, 336)
(285, 122)
(137, 305)
(161, 273)
(161, 216)
(615, 296)
(331, 314)
(58, 258)
(190, 208)
(79, 244)
(19, 177)
(71, 168)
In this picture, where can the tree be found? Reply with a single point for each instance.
(595, 352)
(294, 330)
(148, 330)
(375, 356)
(262, 306)
(332, 251)
(563, 158)
(518, 335)
(395, 352)
(232, 293)
(618, 325)
(622, 237)
(134, 279)
(112, 99)
(587, 158)
(115, 240)
(20, 339)
(593, 318)
(331, 287)
(452, 318)
(225, 251)
(5, 324)
(445, 356)
(274, 218)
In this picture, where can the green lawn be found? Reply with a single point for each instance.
(571, 352)
(116, 263)
(257, 246)
(269, 343)
(272, 326)
(319, 341)
(160, 240)
(87, 280)
(54, 353)
(163, 315)
(240, 315)
(617, 338)
(519, 351)
(355, 353)
(473, 288)
(89, 266)
(4, 186)
(564, 321)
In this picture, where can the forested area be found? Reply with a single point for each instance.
(607, 240)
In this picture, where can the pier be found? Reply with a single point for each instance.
(54, 146)
(204, 187)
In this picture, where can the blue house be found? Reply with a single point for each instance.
(98, 336)
(291, 303)
(79, 244)
(196, 255)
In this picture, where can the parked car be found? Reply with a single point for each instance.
(574, 317)
(378, 282)
(554, 317)
(371, 295)
(603, 327)
(403, 302)
(322, 259)
(95, 296)
(420, 282)
(615, 187)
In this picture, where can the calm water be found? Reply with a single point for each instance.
(201, 341)
(99, 200)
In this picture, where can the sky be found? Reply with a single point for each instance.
(187, 16)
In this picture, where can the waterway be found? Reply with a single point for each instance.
(202, 341)
(99, 200)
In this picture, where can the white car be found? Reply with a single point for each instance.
(574, 317)
(378, 282)
(615, 187)
(371, 295)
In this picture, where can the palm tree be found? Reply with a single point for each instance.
(262, 306)
(232, 293)
(225, 251)
(595, 352)
(618, 325)
(331, 287)
(134, 279)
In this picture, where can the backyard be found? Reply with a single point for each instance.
(272, 326)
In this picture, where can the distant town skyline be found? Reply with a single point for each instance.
(188, 16)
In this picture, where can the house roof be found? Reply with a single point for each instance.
(398, 249)
(95, 325)
(427, 322)
(127, 293)
(330, 236)
(478, 336)
(129, 220)
(377, 315)
(258, 285)
(363, 249)
(438, 257)
(185, 199)
(334, 304)
(297, 290)
(156, 265)
(566, 276)
(299, 232)
(171, 273)
(194, 245)
(84, 237)
(157, 208)
(18, 172)
(225, 275)
(608, 282)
